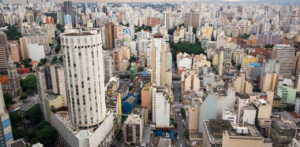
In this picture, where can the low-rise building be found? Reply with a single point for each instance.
(282, 132)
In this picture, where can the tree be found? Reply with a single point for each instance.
(182, 111)
(141, 69)
(42, 124)
(8, 100)
(54, 60)
(57, 48)
(29, 83)
(29, 91)
(186, 134)
(175, 134)
(132, 59)
(12, 33)
(43, 60)
(15, 118)
(47, 135)
(23, 96)
(19, 133)
(34, 114)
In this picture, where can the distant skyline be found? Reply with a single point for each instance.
(238, 1)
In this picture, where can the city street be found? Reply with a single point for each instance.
(180, 140)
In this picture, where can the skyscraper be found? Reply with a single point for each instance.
(110, 35)
(285, 54)
(4, 52)
(84, 77)
(158, 60)
(68, 7)
(224, 62)
(166, 17)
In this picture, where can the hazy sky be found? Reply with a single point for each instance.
(257, 1)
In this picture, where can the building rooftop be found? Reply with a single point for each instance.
(164, 142)
(242, 95)
(247, 130)
(18, 143)
(282, 125)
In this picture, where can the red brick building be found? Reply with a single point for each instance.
(152, 21)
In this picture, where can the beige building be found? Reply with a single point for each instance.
(178, 34)
(200, 61)
(133, 128)
(247, 136)
(190, 80)
(241, 84)
(270, 82)
(15, 50)
(53, 102)
(24, 52)
(194, 110)
(121, 58)
(158, 60)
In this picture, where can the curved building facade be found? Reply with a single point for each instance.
(83, 63)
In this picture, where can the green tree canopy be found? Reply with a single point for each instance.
(42, 124)
(141, 69)
(34, 114)
(186, 133)
(47, 135)
(19, 133)
(15, 118)
(23, 96)
(8, 100)
(29, 91)
(29, 83)
(12, 33)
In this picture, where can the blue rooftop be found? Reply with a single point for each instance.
(254, 64)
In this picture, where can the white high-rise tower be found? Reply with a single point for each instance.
(84, 73)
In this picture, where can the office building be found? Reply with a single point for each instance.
(14, 47)
(263, 110)
(242, 84)
(193, 114)
(190, 80)
(60, 18)
(4, 53)
(121, 58)
(285, 54)
(110, 35)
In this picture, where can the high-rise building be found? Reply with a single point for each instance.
(5, 128)
(24, 51)
(108, 65)
(192, 19)
(84, 77)
(285, 54)
(68, 7)
(60, 18)
(110, 35)
(224, 62)
(166, 20)
(160, 106)
(4, 52)
(158, 60)
(269, 73)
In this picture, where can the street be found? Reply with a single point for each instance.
(180, 140)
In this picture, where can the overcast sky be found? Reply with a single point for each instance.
(254, 1)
